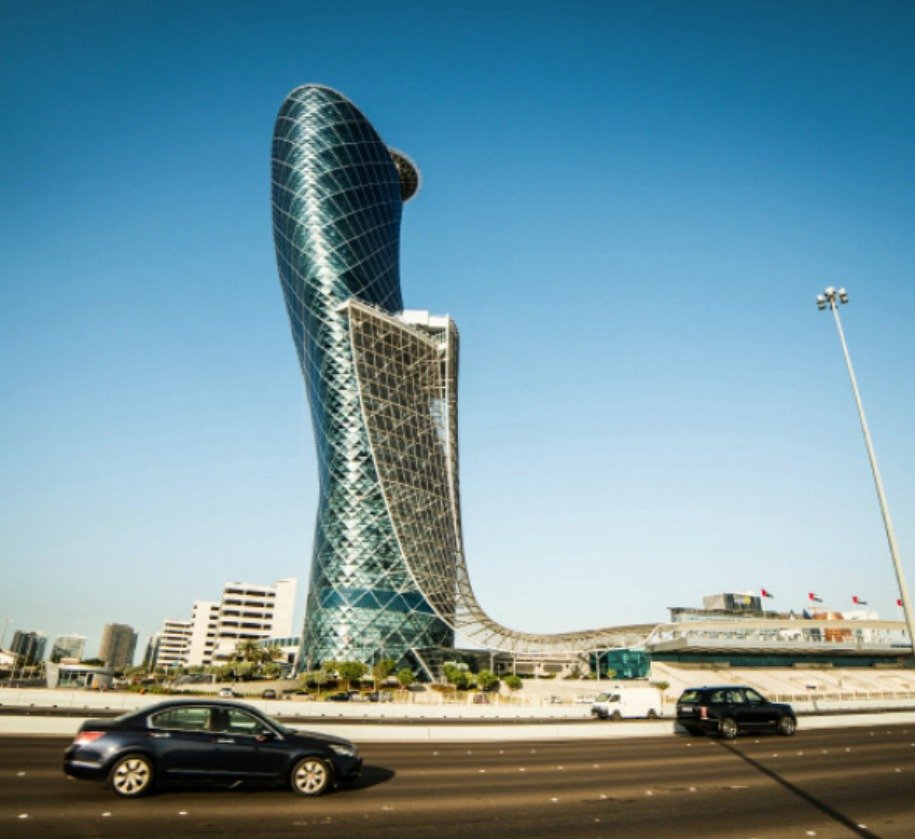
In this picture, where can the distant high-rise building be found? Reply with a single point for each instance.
(119, 644)
(152, 651)
(28, 647)
(68, 646)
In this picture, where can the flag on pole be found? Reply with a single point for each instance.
(858, 601)
(813, 598)
(898, 601)
(766, 593)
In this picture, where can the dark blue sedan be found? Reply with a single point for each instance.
(191, 741)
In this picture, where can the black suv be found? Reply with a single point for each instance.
(729, 709)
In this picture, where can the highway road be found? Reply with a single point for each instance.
(826, 783)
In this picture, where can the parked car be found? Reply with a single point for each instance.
(380, 696)
(206, 742)
(227, 693)
(342, 696)
(730, 709)
(269, 693)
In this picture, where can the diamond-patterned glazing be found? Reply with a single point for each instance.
(388, 572)
(336, 220)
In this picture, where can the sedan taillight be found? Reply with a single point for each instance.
(84, 737)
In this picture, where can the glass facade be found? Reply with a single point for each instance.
(337, 201)
(388, 573)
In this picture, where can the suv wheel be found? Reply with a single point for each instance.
(727, 728)
(786, 726)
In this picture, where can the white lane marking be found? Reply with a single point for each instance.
(20, 774)
(554, 800)
(105, 814)
(182, 812)
(23, 815)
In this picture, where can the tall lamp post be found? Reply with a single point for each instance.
(830, 299)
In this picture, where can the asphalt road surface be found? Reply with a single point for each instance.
(833, 783)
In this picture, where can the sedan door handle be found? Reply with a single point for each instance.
(225, 740)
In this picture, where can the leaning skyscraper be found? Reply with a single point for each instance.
(388, 575)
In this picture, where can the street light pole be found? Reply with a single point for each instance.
(831, 298)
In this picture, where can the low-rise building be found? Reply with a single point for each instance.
(69, 647)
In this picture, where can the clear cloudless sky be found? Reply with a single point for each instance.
(628, 208)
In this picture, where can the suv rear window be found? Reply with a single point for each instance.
(690, 696)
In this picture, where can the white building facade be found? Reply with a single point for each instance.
(204, 623)
(250, 612)
(173, 643)
(246, 612)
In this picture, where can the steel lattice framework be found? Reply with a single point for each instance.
(388, 571)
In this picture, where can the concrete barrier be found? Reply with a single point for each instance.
(21, 725)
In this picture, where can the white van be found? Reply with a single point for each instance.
(628, 703)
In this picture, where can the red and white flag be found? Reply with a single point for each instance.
(898, 601)
(813, 598)
(858, 601)
(766, 593)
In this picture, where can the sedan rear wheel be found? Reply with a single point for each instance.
(131, 776)
(310, 776)
(786, 726)
(727, 728)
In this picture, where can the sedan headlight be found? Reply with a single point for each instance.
(345, 751)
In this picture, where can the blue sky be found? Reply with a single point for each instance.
(628, 208)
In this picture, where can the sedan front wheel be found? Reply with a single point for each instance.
(310, 776)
